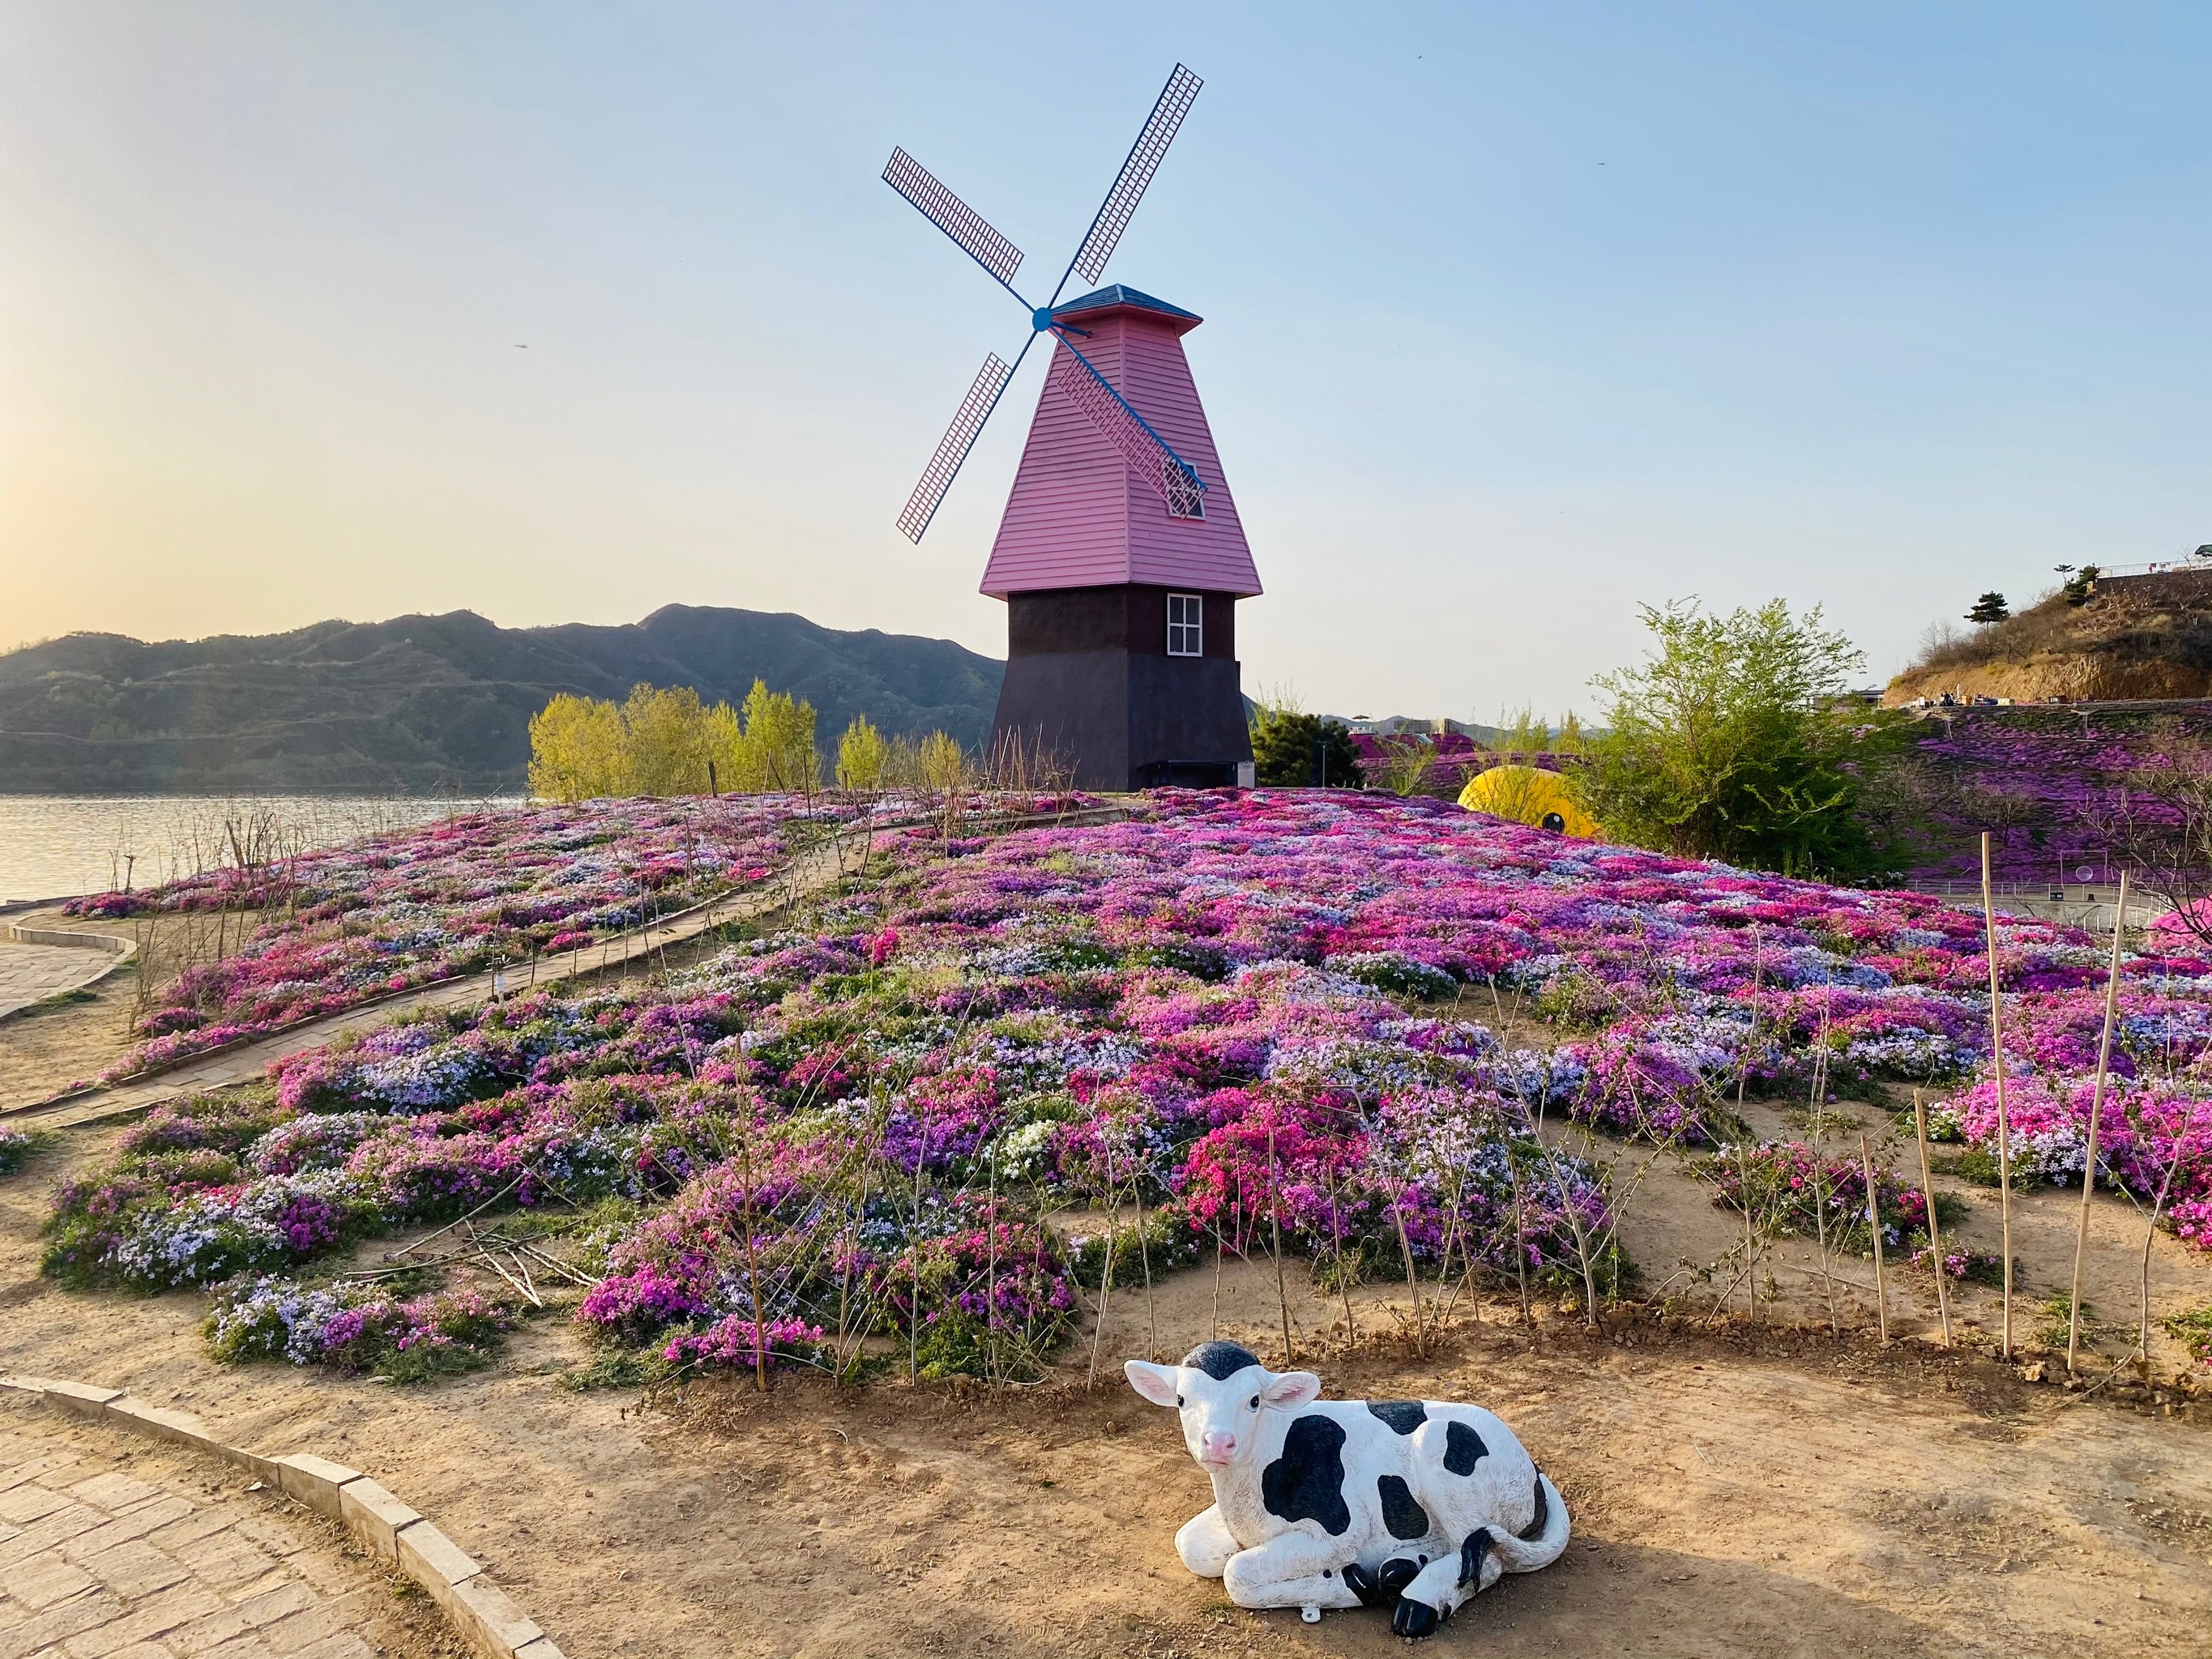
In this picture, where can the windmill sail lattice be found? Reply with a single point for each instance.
(953, 216)
(1147, 454)
(1122, 661)
(1145, 157)
(1148, 458)
(952, 448)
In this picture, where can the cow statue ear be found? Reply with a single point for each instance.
(1156, 1383)
(1291, 1389)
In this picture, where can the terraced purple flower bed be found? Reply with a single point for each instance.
(1236, 1014)
(342, 925)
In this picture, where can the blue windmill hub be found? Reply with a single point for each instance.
(1041, 318)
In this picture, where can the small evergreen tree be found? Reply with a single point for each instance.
(1291, 748)
(1989, 608)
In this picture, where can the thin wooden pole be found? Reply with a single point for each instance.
(991, 1285)
(1750, 1231)
(752, 1275)
(1343, 1279)
(1215, 1336)
(1820, 1174)
(1275, 1222)
(2096, 1112)
(2004, 1116)
(1106, 1279)
(1874, 1224)
(2150, 1238)
(1520, 1235)
(1145, 1253)
(1928, 1195)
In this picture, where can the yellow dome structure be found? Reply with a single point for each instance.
(1529, 795)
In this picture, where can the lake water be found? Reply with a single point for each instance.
(52, 846)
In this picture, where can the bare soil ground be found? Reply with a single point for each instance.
(1738, 1490)
(42, 1051)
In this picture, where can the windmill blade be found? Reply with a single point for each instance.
(1144, 449)
(953, 216)
(1145, 158)
(952, 448)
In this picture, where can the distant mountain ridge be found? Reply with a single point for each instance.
(429, 704)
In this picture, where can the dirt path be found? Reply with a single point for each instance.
(1779, 1496)
(111, 1547)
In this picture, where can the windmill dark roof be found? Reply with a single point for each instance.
(1120, 295)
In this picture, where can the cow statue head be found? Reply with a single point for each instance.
(1220, 1389)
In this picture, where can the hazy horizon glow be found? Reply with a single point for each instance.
(1516, 316)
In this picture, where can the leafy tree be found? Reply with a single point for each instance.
(1291, 748)
(779, 742)
(1989, 608)
(665, 742)
(1727, 742)
(577, 750)
(942, 762)
(2081, 586)
(862, 753)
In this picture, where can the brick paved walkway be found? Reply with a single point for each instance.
(110, 1549)
(31, 972)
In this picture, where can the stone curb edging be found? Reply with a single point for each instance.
(480, 1613)
(73, 938)
(118, 950)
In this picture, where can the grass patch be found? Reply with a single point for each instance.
(17, 1146)
(2193, 1328)
(71, 998)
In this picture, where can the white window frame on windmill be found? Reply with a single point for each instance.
(1187, 631)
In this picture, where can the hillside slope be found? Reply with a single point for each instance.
(430, 703)
(2148, 636)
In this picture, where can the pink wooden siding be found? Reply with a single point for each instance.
(1079, 518)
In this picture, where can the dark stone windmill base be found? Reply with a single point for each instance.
(1089, 682)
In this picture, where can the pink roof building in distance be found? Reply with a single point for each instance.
(1078, 515)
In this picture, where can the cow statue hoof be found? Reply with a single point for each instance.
(1310, 1613)
(1414, 1619)
(1306, 1491)
(1368, 1587)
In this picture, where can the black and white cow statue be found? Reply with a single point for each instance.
(1408, 1504)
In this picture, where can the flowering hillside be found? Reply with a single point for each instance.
(342, 925)
(1241, 1013)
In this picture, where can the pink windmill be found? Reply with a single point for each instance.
(1120, 557)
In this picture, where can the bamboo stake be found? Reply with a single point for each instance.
(2150, 1237)
(1275, 1222)
(1874, 1224)
(1520, 1235)
(1750, 1232)
(1928, 1194)
(1216, 1335)
(1106, 1279)
(1145, 1254)
(2004, 1119)
(1820, 1174)
(1343, 1279)
(2096, 1112)
(752, 1274)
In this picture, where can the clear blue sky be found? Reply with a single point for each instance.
(1516, 315)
